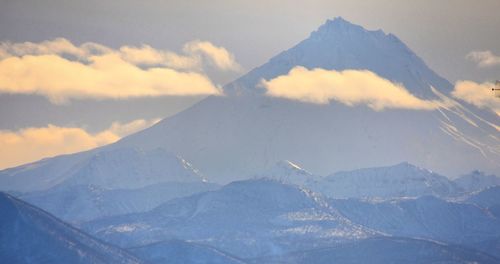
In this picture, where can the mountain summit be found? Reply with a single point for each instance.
(236, 136)
(340, 45)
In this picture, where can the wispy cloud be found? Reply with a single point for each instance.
(34, 143)
(350, 87)
(60, 70)
(218, 56)
(478, 94)
(484, 58)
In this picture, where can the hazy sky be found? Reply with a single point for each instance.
(441, 32)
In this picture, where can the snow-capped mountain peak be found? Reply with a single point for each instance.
(337, 26)
(340, 45)
(235, 137)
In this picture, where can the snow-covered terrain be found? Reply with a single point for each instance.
(30, 235)
(239, 135)
(106, 182)
(383, 250)
(142, 193)
(400, 180)
(265, 217)
(425, 217)
(87, 202)
(246, 132)
(183, 252)
(288, 172)
(246, 218)
(118, 168)
(477, 181)
(486, 198)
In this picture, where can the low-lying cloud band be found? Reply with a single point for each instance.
(34, 143)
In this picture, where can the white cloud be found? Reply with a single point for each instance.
(219, 56)
(478, 94)
(60, 70)
(350, 87)
(484, 58)
(58, 46)
(146, 55)
(194, 57)
(31, 144)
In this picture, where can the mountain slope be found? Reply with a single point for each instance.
(401, 180)
(88, 202)
(397, 181)
(30, 235)
(247, 219)
(246, 132)
(182, 252)
(486, 198)
(477, 181)
(384, 250)
(338, 45)
(288, 172)
(117, 168)
(426, 217)
(239, 135)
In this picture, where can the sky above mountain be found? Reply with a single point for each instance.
(192, 43)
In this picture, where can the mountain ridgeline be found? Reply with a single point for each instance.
(30, 235)
(249, 178)
(235, 136)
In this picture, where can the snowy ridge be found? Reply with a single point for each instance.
(30, 235)
(246, 218)
(237, 136)
(401, 180)
(425, 217)
(118, 168)
(397, 181)
(246, 132)
(338, 45)
(79, 203)
(288, 172)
